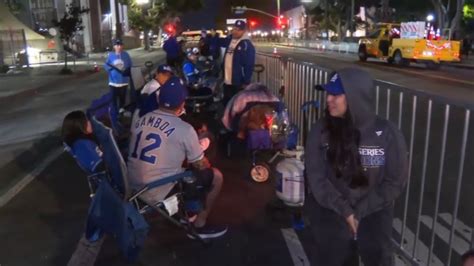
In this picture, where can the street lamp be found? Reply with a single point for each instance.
(429, 18)
(142, 2)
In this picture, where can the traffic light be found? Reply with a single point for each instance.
(253, 23)
(169, 28)
(282, 22)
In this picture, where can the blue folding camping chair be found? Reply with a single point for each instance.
(117, 210)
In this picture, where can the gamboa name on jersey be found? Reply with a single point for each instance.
(155, 122)
(372, 157)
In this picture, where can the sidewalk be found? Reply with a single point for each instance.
(39, 76)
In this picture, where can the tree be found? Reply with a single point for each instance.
(449, 14)
(153, 15)
(334, 15)
(69, 25)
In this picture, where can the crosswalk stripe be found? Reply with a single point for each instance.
(459, 245)
(295, 247)
(461, 228)
(421, 251)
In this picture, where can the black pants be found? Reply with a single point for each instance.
(119, 95)
(229, 92)
(334, 242)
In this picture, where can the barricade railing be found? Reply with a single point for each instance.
(435, 215)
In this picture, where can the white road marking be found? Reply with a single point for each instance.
(295, 247)
(459, 245)
(421, 251)
(12, 192)
(461, 228)
(86, 252)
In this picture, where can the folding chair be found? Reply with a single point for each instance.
(124, 198)
(93, 177)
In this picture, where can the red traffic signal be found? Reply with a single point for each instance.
(253, 23)
(169, 28)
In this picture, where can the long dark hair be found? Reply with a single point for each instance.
(343, 151)
(75, 127)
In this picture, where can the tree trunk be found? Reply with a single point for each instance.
(65, 59)
(339, 30)
(456, 22)
(441, 13)
(146, 39)
(385, 11)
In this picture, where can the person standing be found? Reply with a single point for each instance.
(357, 166)
(173, 52)
(118, 65)
(239, 61)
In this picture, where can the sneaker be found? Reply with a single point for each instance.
(209, 231)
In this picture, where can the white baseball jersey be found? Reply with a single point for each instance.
(151, 87)
(159, 144)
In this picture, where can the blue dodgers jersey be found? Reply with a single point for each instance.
(87, 154)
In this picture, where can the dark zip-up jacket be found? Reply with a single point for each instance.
(382, 150)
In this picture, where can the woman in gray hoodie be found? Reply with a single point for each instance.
(356, 165)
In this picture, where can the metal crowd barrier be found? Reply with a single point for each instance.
(435, 215)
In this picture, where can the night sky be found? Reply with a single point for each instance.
(215, 12)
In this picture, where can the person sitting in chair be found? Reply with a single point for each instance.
(151, 90)
(190, 71)
(163, 73)
(160, 142)
(77, 135)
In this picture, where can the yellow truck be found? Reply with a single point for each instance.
(402, 46)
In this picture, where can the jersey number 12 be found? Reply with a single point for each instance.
(144, 154)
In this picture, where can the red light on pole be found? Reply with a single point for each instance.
(253, 23)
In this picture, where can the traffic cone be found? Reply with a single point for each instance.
(275, 51)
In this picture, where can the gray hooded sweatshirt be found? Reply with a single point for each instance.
(382, 150)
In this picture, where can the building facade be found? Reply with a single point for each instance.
(99, 23)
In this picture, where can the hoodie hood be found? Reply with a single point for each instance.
(358, 87)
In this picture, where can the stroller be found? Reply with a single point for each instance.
(260, 119)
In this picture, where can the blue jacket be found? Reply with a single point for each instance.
(118, 66)
(214, 47)
(172, 48)
(243, 62)
(87, 154)
(190, 72)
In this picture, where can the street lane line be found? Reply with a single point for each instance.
(12, 192)
(459, 244)
(295, 247)
(422, 249)
(459, 227)
(86, 252)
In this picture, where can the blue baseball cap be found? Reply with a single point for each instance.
(334, 86)
(172, 94)
(164, 68)
(240, 24)
(118, 42)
